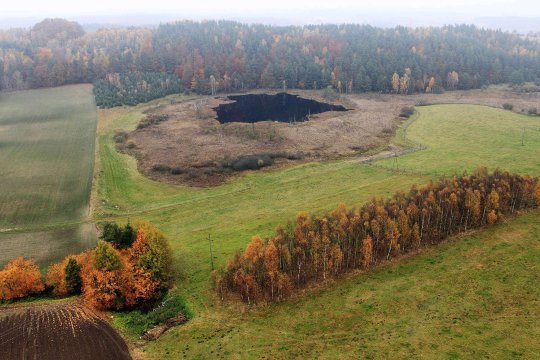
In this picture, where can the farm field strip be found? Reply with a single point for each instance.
(47, 151)
(47, 139)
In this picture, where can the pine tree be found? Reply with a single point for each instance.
(72, 277)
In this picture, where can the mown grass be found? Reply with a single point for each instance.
(460, 137)
(450, 302)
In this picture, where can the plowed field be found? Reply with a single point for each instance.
(66, 330)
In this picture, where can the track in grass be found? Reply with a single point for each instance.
(47, 150)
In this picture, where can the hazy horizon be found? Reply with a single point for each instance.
(521, 15)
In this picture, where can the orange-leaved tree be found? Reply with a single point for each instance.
(139, 288)
(20, 278)
(103, 284)
(315, 247)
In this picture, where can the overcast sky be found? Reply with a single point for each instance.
(41, 8)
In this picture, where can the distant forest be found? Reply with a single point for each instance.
(213, 56)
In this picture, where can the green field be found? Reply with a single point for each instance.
(460, 300)
(47, 150)
(460, 137)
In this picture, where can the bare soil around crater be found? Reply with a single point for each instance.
(185, 143)
(58, 331)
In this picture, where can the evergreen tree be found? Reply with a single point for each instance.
(73, 281)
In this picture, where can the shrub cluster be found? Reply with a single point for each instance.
(315, 248)
(120, 236)
(152, 119)
(406, 111)
(508, 106)
(120, 136)
(116, 274)
(229, 164)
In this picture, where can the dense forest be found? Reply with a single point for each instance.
(134, 88)
(316, 248)
(225, 56)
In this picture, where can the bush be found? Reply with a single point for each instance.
(191, 174)
(178, 170)
(295, 156)
(508, 106)
(251, 162)
(406, 111)
(20, 278)
(152, 119)
(105, 257)
(330, 94)
(532, 111)
(120, 236)
(161, 168)
(120, 136)
(141, 321)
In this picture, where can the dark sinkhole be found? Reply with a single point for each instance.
(281, 107)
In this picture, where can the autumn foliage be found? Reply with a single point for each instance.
(130, 278)
(107, 277)
(315, 248)
(20, 278)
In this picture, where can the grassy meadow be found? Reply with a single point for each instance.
(47, 150)
(460, 137)
(460, 300)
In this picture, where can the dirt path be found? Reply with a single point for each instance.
(391, 151)
(64, 330)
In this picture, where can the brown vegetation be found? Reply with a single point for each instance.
(20, 278)
(316, 248)
(184, 143)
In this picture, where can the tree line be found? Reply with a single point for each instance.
(134, 88)
(228, 56)
(131, 267)
(316, 248)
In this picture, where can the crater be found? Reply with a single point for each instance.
(282, 107)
